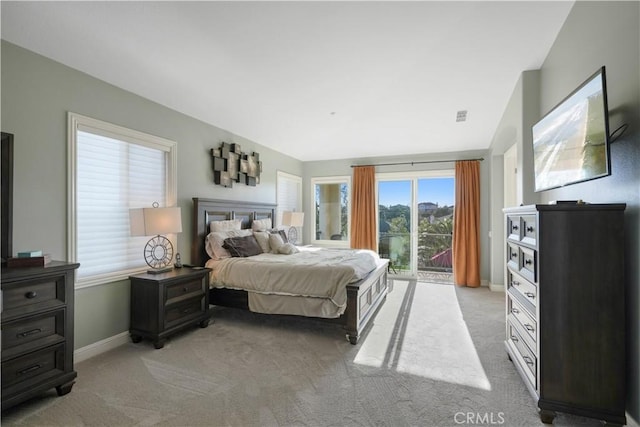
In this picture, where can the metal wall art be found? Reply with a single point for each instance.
(231, 165)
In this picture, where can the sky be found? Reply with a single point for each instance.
(435, 190)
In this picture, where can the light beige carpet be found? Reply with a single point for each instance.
(434, 357)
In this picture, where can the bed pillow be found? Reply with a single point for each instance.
(215, 240)
(261, 224)
(263, 240)
(244, 246)
(232, 224)
(288, 249)
(275, 241)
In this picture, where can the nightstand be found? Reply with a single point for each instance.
(164, 303)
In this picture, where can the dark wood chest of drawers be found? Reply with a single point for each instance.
(37, 331)
(161, 304)
(565, 308)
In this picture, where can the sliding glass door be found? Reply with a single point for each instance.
(415, 217)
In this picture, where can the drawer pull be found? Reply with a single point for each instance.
(30, 369)
(515, 283)
(515, 310)
(187, 310)
(530, 229)
(514, 255)
(529, 328)
(528, 261)
(528, 360)
(27, 333)
(530, 295)
(514, 227)
(514, 338)
(31, 294)
(185, 289)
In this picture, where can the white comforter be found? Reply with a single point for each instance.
(313, 273)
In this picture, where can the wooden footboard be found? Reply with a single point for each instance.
(364, 298)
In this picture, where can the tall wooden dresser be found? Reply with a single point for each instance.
(565, 308)
(37, 331)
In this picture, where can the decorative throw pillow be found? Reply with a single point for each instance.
(242, 246)
(288, 249)
(232, 224)
(275, 241)
(261, 224)
(215, 240)
(281, 233)
(263, 240)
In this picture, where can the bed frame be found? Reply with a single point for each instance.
(364, 297)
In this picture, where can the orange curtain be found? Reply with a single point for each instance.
(363, 208)
(466, 224)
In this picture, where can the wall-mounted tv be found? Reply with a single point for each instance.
(571, 142)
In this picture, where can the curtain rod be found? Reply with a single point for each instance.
(418, 163)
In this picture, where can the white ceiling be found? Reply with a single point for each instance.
(314, 80)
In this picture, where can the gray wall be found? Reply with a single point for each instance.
(594, 34)
(37, 93)
(343, 168)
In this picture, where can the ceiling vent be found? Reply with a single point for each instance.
(461, 116)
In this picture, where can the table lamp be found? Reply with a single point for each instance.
(155, 221)
(292, 220)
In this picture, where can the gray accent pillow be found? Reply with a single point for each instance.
(242, 246)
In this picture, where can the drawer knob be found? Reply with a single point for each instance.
(514, 338)
(515, 283)
(530, 295)
(31, 294)
(528, 360)
(515, 310)
(185, 289)
(514, 255)
(514, 227)
(529, 328)
(528, 262)
(530, 229)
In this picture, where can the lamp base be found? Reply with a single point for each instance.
(159, 270)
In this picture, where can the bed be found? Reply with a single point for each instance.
(363, 297)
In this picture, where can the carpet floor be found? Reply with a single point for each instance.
(433, 357)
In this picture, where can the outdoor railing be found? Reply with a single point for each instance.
(434, 251)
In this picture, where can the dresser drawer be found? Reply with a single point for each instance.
(46, 291)
(40, 330)
(526, 358)
(513, 228)
(513, 256)
(528, 263)
(518, 315)
(526, 289)
(33, 367)
(182, 291)
(178, 313)
(529, 230)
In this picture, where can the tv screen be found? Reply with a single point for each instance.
(571, 142)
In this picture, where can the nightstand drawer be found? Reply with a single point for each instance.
(182, 291)
(33, 366)
(45, 328)
(180, 312)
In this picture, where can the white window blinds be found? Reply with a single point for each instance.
(288, 195)
(113, 173)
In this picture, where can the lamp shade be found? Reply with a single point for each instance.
(155, 221)
(293, 219)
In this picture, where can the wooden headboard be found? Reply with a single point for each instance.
(207, 210)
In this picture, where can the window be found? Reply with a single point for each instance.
(288, 195)
(111, 170)
(330, 213)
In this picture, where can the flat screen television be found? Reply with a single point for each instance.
(571, 142)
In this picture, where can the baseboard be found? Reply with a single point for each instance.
(496, 287)
(99, 347)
